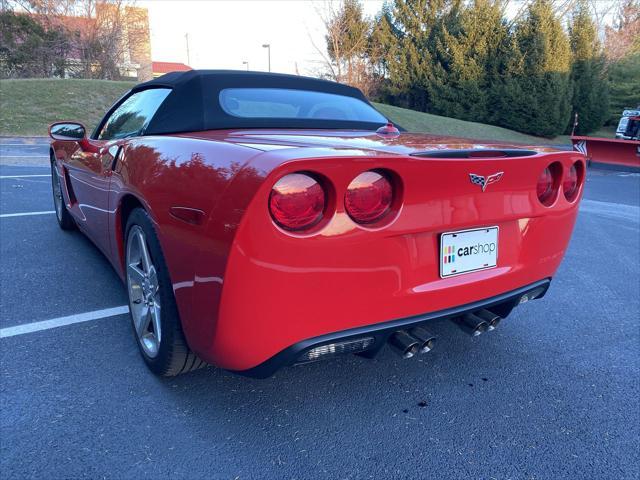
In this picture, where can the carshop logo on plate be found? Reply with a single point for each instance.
(450, 253)
(476, 249)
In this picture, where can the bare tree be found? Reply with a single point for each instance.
(623, 37)
(347, 34)
(104, 36)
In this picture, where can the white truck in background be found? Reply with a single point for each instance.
(629, 125)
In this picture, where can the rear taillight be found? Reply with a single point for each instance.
(570, 183)
(544, 188)
(548, 183)
(369, 197)
(297, 202)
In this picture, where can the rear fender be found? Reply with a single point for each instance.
(167, 172)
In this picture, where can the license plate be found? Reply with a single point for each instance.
(468, 251)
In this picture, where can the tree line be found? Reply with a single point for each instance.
(532, 72)
(68, 38)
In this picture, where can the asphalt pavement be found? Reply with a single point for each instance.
(552, 393)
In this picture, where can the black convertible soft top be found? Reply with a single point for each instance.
(194, 105)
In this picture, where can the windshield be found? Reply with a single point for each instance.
(624, 122)
(298, 104)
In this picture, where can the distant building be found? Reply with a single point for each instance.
(133, 47)
(160, 68)
(137, 55)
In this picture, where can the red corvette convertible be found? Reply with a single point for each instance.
(263, 220)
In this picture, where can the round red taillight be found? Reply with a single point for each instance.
(544, 187)
(570, 183)
(369, 197)
(297, 202)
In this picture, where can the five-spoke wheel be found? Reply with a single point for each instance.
(144, 292)
(154, 313)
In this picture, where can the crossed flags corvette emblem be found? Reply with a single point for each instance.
(484, 182)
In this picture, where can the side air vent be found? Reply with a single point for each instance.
(476, 153)
(67, 181)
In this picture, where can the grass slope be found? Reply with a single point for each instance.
(424, 122)
(27, 107)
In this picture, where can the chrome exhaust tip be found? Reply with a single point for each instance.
(406, 345)
(471, 324)
(491, 318)
(426, 338)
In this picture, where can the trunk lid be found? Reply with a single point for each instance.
(403, 144)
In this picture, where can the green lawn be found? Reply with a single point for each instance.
(27, 107)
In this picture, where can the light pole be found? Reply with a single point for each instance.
(247, 64)
(268, 47)
(186, 37)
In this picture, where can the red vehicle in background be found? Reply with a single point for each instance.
(623, 152)
(263, 220)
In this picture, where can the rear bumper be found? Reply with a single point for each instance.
(281, 295)
(501, 304)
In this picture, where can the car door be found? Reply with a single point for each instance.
(89, 182)
(90, 170)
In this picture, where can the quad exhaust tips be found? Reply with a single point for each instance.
(491, 318)
(420, 340)
(479, 322)
(471, 324)
(406, 345)
(417, 340)
(426, 338)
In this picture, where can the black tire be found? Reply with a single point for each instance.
(65, 220)
(173, 355)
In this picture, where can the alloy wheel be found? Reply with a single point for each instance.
(143, 289)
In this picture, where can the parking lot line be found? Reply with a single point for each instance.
(611, 209)
(26, 214)
(62, 321)
(24, 176)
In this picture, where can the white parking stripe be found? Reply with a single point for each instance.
(26, 214)
(62, 321)
(610, 209)
(24, 176)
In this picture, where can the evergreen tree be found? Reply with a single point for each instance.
(28, 49)
(590, 92)
(623, 51)
(412, 63)
(470, 63)
(624, 84)
(382, 41)
(536, 93)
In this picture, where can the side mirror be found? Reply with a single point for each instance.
(70, 131)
